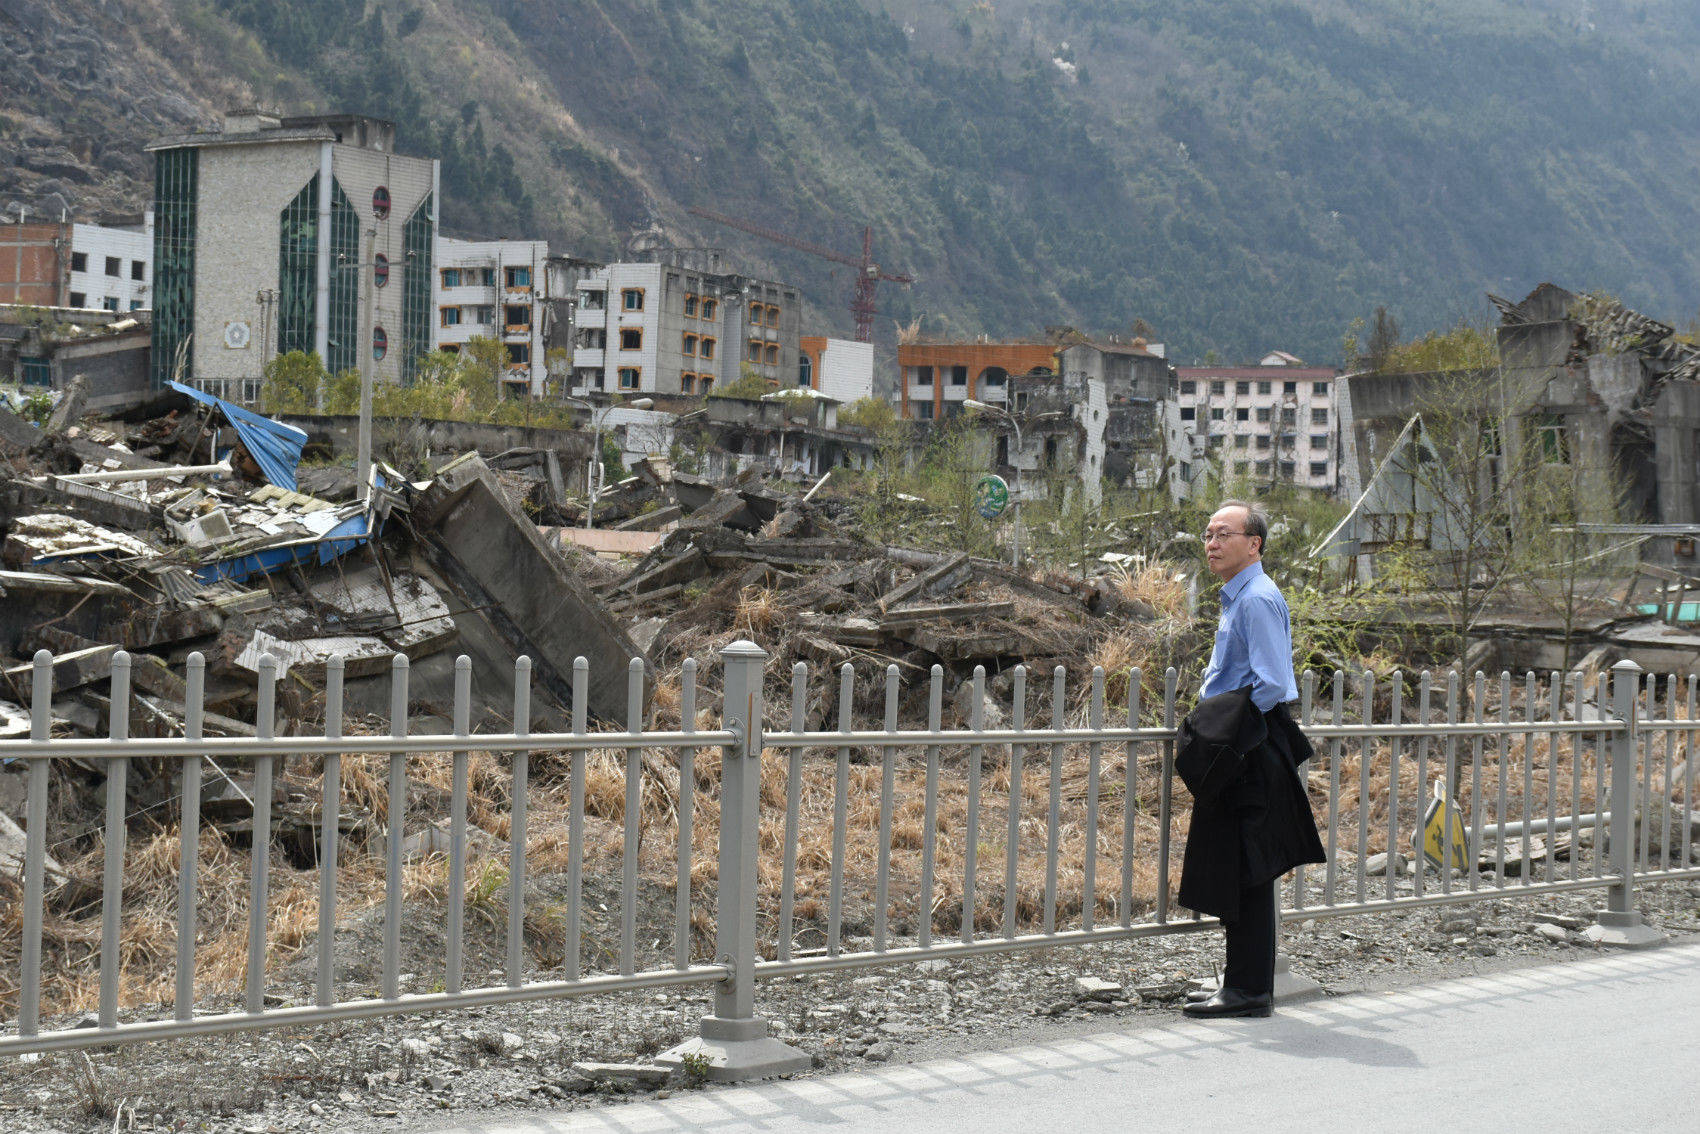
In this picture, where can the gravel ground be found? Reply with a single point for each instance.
(419, 1073)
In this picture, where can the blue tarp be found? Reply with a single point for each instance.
(276, 447)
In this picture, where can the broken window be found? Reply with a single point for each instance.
(631, 338)
(959, 376)
(1319, 440)
(629, 377)
(687, 382)
(1188, 413)
(37, 371)
(1263, 441)
(486, 277)
(138, 270)
(79, 261)
(451, 277)
(1289, 415)
(709, 306)
(690, 347)
(1263, 468)
(1189, 388)
(1319, 389)
(593, 338)
(923, 376)
(1242, 414)
(1287, 469)
(690, 306)
(1263, 414)
(1186, 471)
(1241, 389)
(79, 299)
(770, 355)
(705, 348)
(1242, 441)
(592, 300)
(753, 351)
(484, 314)
(516, 277)
(519, 354)
(1216, 413)
(707, 383)
(110, 303)
(1218, 388)
(114, 265)
(756, 310)
(1552, 439)
(924, 411)
(631, 298)
(450, 317)
(1319, 468)
(516, 315)
(1289, 387)
(1319, 417)
(805, 370)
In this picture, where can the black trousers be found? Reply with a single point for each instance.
(1251, 942)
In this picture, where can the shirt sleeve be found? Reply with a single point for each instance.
(1269, 649)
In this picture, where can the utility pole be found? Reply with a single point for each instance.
(363, 449)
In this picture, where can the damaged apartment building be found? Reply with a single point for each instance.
(1582, 381)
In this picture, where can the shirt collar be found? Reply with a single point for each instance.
(1232, 588)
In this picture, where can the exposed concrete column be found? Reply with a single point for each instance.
(322, 293)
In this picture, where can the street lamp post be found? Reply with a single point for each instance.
(593, 479)
(1015, 519)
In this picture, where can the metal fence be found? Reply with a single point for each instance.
(849, 846)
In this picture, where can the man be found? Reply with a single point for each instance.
(1246, 836)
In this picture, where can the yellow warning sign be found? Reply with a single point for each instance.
(1443, 832)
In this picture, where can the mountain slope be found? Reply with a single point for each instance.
(1240, 174)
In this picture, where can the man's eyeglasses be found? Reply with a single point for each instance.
(1217, 535)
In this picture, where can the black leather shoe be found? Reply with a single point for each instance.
(1199, 995)
(1232, 1002)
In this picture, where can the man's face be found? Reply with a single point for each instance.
(1228, 549)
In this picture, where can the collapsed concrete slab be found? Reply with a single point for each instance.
(489, 551)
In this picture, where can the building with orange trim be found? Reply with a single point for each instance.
(839, 368)
(938, 377)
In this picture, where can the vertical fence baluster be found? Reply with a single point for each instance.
(1307, 698)
(1480, 700)
(1529, 700)
(1664, 780)
(1419, 874)
(971, 842)
(793, 807)
(330, 824)
(1601, 797)
(1451, 793)
(1012, 834)
(35, 844)
(1130, 795)
(575, 818)
(1688, 777)
(687, 808)
(189, 838)
(521, 770)
(112, 881)
(888, 774)
(1094, 754)
(930, 809)
(1646, 689)
(1053, 814)
(458, 773)
(1555, 692)
(1395, 721)
(1336, 747)
(259, 855)
(1166, 794)
(396, 817)
(1499, 784)
(634, 819)
(840, 811)
(1366, 755)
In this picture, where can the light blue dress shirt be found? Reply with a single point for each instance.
(1254, 642)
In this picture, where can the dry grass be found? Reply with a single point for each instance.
(1157, 584)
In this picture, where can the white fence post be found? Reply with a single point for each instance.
(734, 1040)
(1620, 923)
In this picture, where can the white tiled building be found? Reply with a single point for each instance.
(111, 267)
(497, 289)
(1274, 422)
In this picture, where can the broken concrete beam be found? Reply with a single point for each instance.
(608, 541)
(70, 670)
(493, 554)
(948, 612)
(956, 645)
(851, 631)
(651, 521)
(681, 568)
(723, 508)
(938, 579)
(69, 411)
(17, 436)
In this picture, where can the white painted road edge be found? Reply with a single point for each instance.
(1609, 1039)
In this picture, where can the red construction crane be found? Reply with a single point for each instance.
(868, 273)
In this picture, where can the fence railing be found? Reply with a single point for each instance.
(821, 845)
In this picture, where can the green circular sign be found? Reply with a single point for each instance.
(991, 496)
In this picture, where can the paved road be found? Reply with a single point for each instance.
(1605, 1042)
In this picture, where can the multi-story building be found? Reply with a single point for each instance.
(666, 329)
(283, 234)
(938, 377)
(498, 289)
(1270, 423)
(105, 267)
(839, 368)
